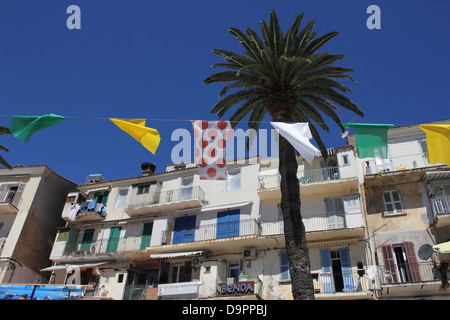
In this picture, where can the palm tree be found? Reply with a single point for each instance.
(4, 130)
(283, 74)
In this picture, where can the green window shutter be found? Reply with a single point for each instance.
(105, 198)
(146, 235)
(95, 197)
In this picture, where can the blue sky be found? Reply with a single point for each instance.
(148, 59)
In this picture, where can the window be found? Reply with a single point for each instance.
(12, 193)
(336, 270)
(424, 148)
(235, 269)
(181, 272)
(143, 189)
(284, 266)
(400, 263)
(186, 188)
(345, 160)
(234, 180)
(392, 202)
(334, 208)
(121, 198)
(351, 203)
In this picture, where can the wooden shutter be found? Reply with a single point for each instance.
(105, 197)
(389, 263)
(18, 195)
(346, 267)
(326, 276)
(146, 235)
(3, 190)
(412, 261)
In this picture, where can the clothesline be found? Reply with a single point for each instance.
(177, 120)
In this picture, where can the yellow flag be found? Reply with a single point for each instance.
(136, 128)
(438, 142)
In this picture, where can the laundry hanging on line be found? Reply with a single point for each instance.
(136, 128)
(299, 136)
(210, 144)
(371, 139)
(23, 127)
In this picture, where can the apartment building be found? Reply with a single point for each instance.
(171, 235)
(31, 201)
(407, 206)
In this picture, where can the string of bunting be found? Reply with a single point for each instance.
(210, 138)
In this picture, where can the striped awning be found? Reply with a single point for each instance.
(177, 254)
(81, 266)
(436, 175)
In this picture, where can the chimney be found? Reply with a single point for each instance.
(148, 168)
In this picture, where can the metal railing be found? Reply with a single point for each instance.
(441, 205)
(304, 177)
(319, 222)
(168, 196)
(341, 282)
(211, 232)
(101, 246)
(408, 273)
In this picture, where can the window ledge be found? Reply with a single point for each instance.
(400, 214)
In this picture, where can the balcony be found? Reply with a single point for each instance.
(441, 210)
(217, 233)
(9, 203)
(163, 201)
(311, 181)
(321, 226)
(340, 285)
(409, 279)
(101, 249)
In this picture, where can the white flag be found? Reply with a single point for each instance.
(298, 135)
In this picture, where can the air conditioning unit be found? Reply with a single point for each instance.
(250, 253)
(195, 262)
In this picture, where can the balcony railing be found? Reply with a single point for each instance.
(408, 273)
(441, 205)
(98, 247)
(304, 177)
(211, 232)
(341, 282)
(180, 198)
(314, 223)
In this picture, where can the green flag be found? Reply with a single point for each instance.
(23, 127)
(371, 139)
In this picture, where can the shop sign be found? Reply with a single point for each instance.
(237, 288)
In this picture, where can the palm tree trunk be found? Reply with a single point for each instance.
(294, 230)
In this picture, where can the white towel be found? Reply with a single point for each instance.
(298, 135)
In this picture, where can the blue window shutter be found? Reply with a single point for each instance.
(184, 229)
(346, 267)
(189, 232)
(222, 225)
(178, 232)
(327, 276)
(233, 220)
(228, 223)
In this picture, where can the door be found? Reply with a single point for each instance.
(228, 223)
(186, 188)
(113, 241)
(146, 235)
(184, 230)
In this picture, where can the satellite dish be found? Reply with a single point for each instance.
(371, 271)
(344, 134)
(425, 251)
